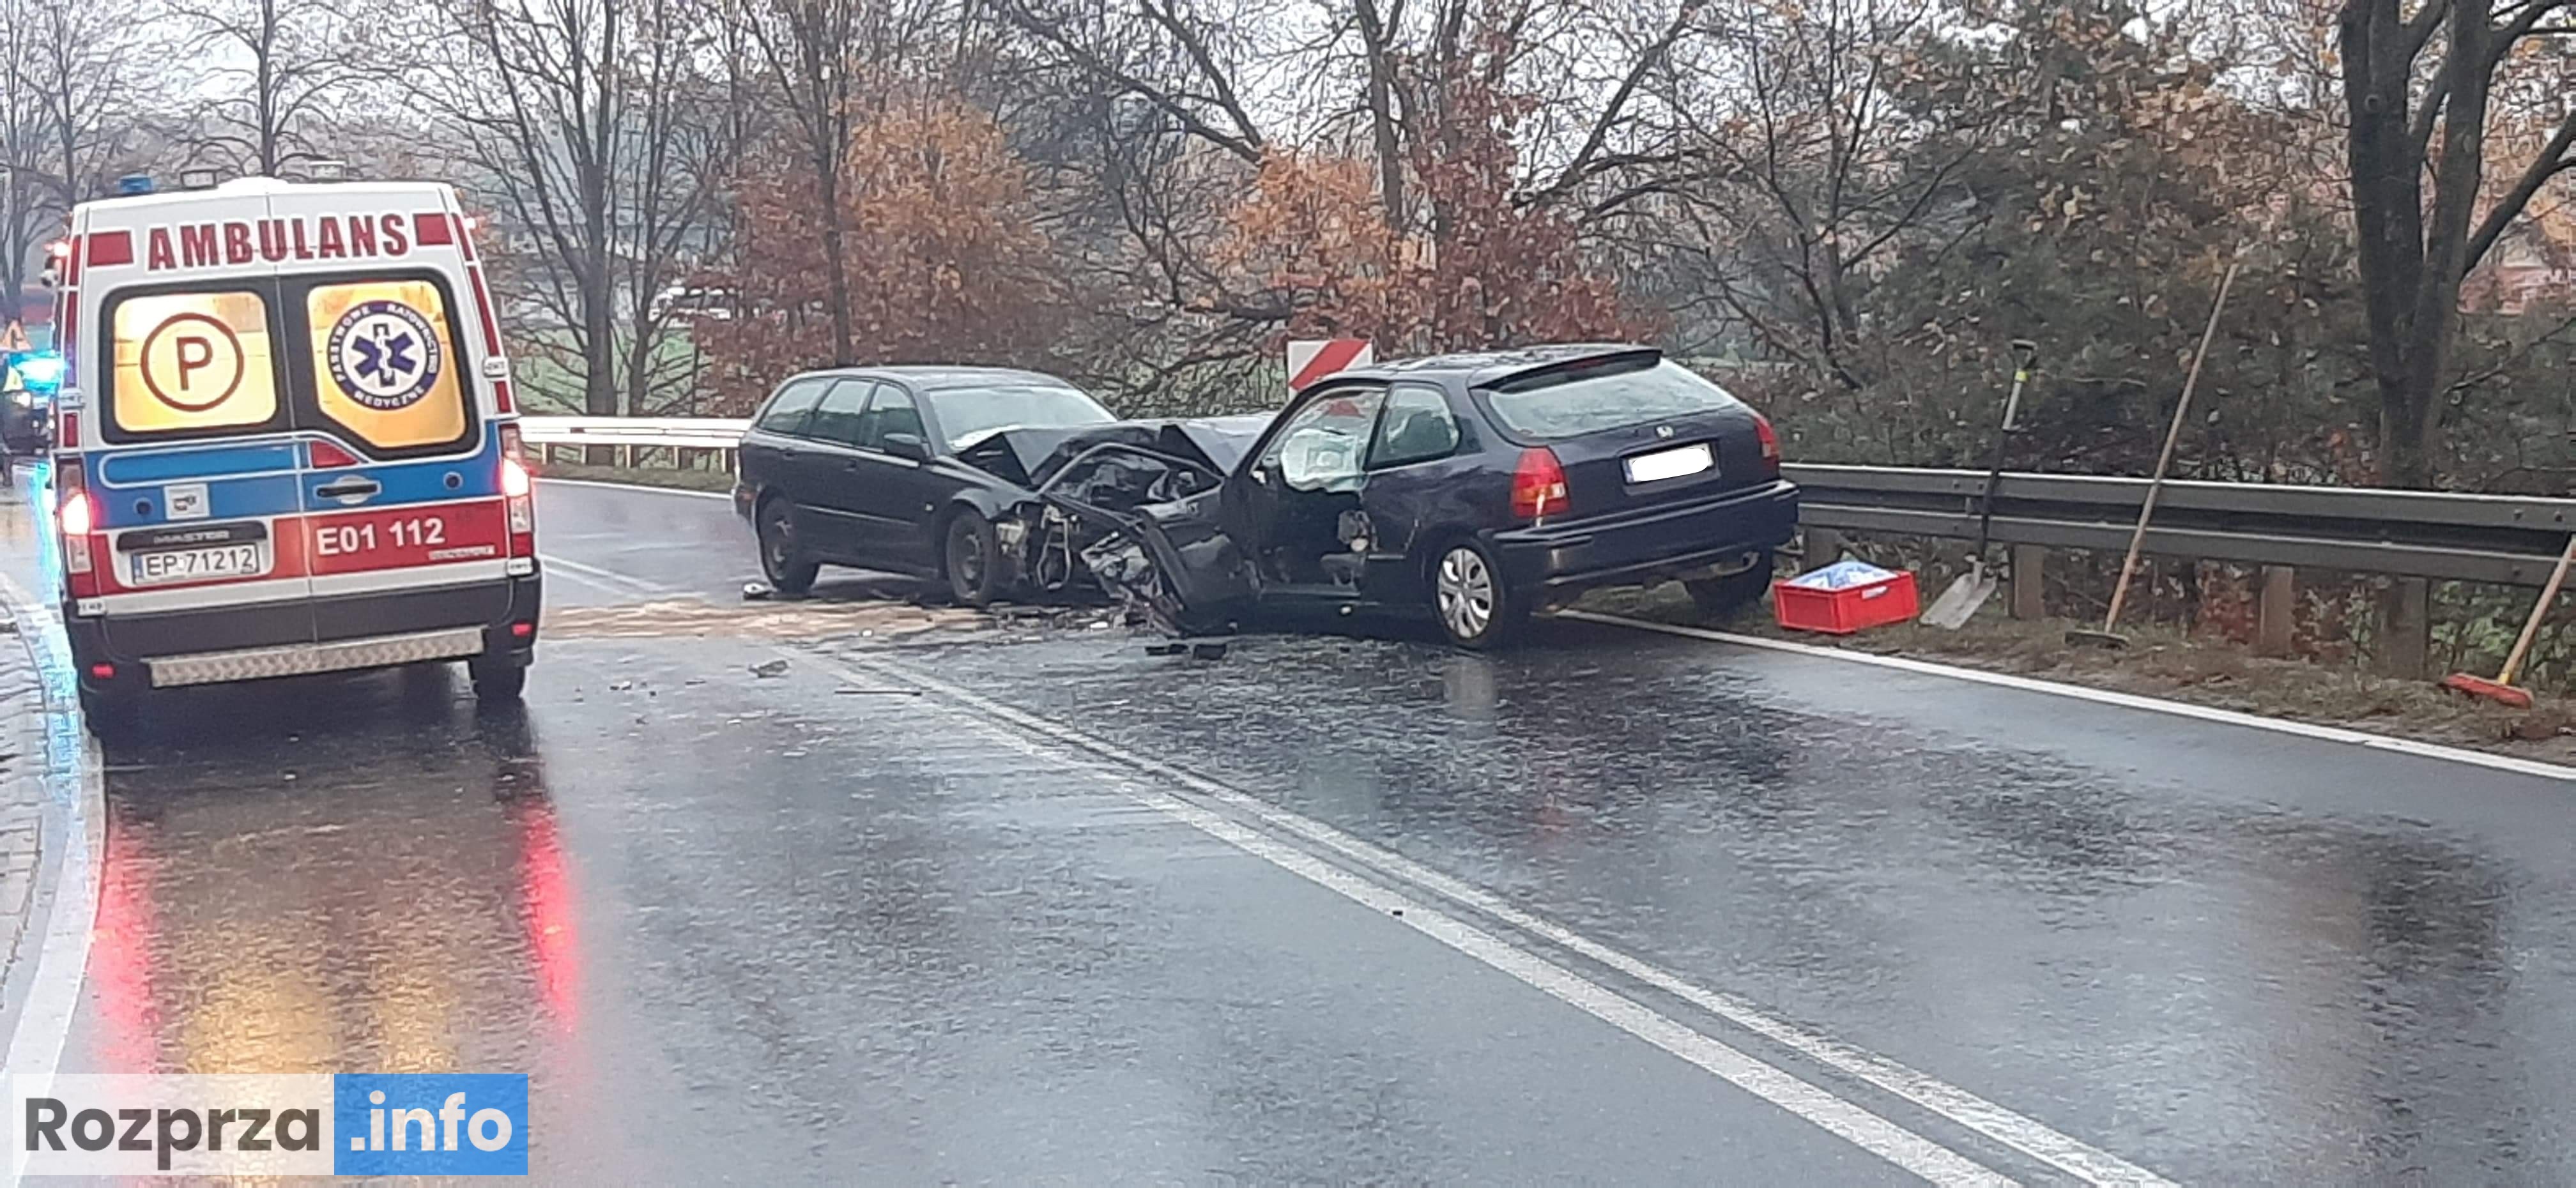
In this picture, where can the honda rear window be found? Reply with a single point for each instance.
(1610, 394)
(188, 364)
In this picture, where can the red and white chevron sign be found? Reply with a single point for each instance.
(1311, 359)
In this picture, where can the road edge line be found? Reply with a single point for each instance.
(1958, 1105)
(1808, 1102)
(76, 806)
(2135, 701)
(2017, 1131)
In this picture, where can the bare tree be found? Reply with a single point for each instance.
(277, 64)
(591, 130)
(822, 57)
(1802, 170)
(2425, 87)
(70, 94)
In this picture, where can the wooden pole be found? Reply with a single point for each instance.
(2155, 485)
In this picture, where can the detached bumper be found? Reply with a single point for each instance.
(293, 637)
(1642, 547)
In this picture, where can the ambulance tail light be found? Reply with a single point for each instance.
(76, 515)
(518, 487)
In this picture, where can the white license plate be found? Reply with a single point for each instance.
(1666, 464)
(194, 565)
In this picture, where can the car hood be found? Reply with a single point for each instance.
(1028, 457)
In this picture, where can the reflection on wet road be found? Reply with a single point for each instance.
(834, 924)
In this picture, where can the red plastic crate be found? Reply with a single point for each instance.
(1841, 612)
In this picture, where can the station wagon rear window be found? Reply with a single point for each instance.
(191, 363)
(1610, 394)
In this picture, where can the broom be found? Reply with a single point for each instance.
(2502, 689)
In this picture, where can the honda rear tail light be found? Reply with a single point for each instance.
(1770, 441)
(1538, 484)
(518, 488)
(76, 515)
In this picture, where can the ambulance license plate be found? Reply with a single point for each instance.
(194, 565)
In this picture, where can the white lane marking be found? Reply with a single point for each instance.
(2360, 738)
(613, 582)
(1851, 1122)
(605, 486)
(2018, 1131)
(62, 957)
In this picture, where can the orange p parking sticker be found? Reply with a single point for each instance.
(193, 361)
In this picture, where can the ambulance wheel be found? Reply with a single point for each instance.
(781, 562)
(497, 679)
(109, 714)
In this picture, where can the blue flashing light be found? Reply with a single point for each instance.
(42, 371)
(134, 183)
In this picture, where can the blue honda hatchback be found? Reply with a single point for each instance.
(1477, 487)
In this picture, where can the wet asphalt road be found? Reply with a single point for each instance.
(911, 911)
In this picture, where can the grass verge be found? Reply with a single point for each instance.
(2162, 662)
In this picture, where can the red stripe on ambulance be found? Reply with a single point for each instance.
(402, 537)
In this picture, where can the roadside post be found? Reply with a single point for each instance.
(1311, 359)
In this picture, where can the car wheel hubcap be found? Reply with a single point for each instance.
(777, 545)
(1466, 593)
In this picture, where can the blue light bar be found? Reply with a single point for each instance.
(43, 370)
(134, 183)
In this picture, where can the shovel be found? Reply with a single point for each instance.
(1958, 603)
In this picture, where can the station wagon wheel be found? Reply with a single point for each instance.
(781, 561)
(1475, 608)
(973, 560)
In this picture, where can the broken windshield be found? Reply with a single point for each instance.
(969, 415)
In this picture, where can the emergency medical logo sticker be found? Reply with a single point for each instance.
(384, 355)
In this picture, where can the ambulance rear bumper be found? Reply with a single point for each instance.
(298, 636)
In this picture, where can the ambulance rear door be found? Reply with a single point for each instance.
(386, 352)
(189, 459)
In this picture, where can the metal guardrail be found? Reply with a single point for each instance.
(2506, 539)
(697, 433)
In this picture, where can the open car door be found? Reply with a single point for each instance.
(1152, 532)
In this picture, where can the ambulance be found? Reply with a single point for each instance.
(285, 443)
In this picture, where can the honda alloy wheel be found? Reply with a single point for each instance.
(1468, 596)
